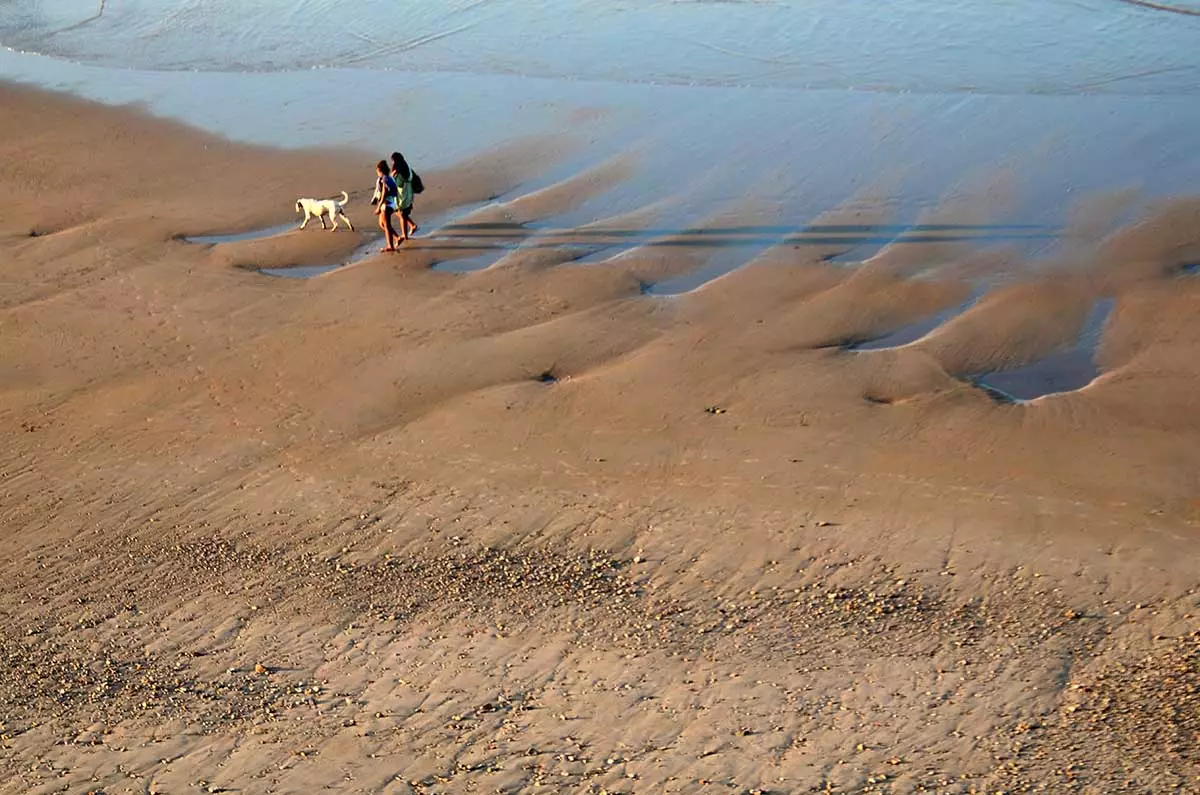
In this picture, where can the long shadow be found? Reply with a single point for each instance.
(440, 242)
(727, 242)
(870, 247)
(498, 247)
(599, 245)
(485, 237)
(774, 231)
(824, 234)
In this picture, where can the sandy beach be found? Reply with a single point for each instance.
(532, 528)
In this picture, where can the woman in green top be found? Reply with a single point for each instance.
(402, 173)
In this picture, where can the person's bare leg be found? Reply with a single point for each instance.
(393, 236)
(385, 224)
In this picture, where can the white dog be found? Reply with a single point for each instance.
(323, 207)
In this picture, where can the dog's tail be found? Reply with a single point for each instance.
(345, 197)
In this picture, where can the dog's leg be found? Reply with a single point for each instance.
(306, 217)
(348, 222)
(322, 217)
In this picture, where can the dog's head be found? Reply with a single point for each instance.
(299, 205)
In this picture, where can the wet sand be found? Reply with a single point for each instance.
(534, 528)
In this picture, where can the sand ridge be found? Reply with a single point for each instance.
(403, 530)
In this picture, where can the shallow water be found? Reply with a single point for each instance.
(360, 254)
(920, 328)
(237, 237)
(800, 152)
(1064, 371)
(779, 110)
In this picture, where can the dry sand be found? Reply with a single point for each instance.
(397, 530)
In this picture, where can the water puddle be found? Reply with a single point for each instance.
(296, 272)
(239, 237)
(719, 263)
(915, 331)
(1065, 371)
(489, 257)
(363, 252)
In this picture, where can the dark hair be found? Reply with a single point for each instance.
(382, 166)
(400, 166)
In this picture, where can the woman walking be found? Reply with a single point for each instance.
(405, 178)
(387, 197)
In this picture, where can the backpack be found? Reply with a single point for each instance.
(417, 185)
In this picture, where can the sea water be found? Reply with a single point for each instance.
(1005, 47)
(797, 105)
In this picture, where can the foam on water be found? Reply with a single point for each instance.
(1024, 46)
